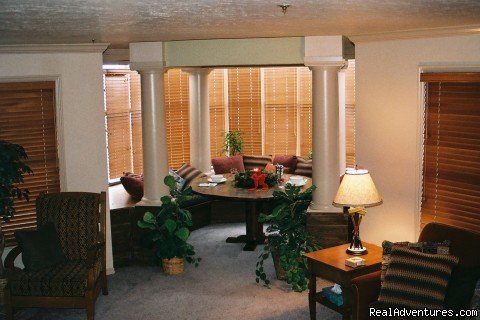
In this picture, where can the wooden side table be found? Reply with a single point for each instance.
(329, 264)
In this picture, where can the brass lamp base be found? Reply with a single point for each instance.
(357, 251)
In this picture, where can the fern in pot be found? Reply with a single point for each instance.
(170, 230)
(288, 238)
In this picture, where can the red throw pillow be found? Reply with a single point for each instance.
(225, 164)
(133, 184)
(289, 162)
(270, 168)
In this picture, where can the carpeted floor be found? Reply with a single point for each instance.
(222, 287)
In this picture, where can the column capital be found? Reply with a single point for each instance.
(322, 62)
(147, 67)
(194, 71)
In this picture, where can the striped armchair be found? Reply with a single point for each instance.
(79, 218)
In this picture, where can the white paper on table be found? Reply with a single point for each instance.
(207, 184)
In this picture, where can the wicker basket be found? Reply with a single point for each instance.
(173, 266)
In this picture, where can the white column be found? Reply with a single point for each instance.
(342, 149)
(148, 59)
(154, 144)
(325, 135)
(199, 119)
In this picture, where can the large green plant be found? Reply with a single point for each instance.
(12, 169)
(288, 237)
(233, 143)
(170, 226)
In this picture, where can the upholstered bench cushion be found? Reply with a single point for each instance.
(65, 279)
(188, 173)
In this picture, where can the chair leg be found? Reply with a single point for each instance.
(8, 305)
(91, 310)
(104, 283)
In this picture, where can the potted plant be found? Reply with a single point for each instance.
(169, 230)
(233, 143)
(288, 238)
(12, 169)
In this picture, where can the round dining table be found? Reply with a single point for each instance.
(254, 201)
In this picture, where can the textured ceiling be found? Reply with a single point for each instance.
(120, 22)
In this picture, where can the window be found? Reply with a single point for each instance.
(451, 175)
(27, 117)
(244, 107)
(216, 97)
(177, 117)
(272, 107)
(123, 120)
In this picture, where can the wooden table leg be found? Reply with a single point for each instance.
(312, 292)
(254, 229)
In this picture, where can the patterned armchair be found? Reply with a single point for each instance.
(79, 218)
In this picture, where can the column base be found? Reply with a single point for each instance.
(149, 203)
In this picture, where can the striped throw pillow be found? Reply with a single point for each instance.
(304, 167)
(251, 162)
(188, 173)
(416, 280)
(426, 247)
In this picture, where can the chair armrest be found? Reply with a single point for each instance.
(94, 253)
(11, 256)
(365, 290)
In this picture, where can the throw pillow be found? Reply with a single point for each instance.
(416, 280)
(40, 248)
(426, 247)
(289, 162)
(188, 173)
(225, 164)
(133, 184)
(304, 167)
(180, 181)
(252, 162)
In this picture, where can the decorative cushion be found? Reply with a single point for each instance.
(426, 247)
(40, 248)
(252, 162)
(133, 184)
(461, 287)
(416, 280)
(188, 173)
(289, 162)
(65, 279)
(304, 167)
(180, 181)
(225, 164)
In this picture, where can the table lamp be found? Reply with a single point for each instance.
(357, 191)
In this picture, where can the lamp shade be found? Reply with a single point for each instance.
(357, 190)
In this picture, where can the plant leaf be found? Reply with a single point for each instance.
(170, 225)
(182, 233)
(149, 217)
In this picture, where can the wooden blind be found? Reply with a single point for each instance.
(280, 89)
(177, 117)
(305, 103)
(244, 104)
(451, 174)
(350, 114)
(216, 95)
(119, 133)
(136, 121)
(27, 117)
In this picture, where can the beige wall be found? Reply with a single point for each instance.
(80, 115)
(388, 123)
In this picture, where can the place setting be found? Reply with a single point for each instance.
(213, 181)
